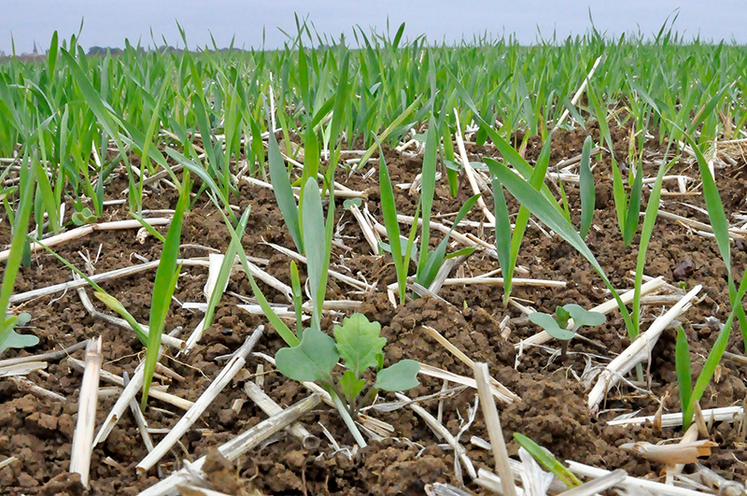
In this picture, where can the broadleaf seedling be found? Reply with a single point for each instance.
(557, 326)
(360, 345)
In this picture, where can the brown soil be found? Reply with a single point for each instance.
(552, 410)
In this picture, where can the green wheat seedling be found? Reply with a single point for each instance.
(557, 326)
(548, 460)
(428, 261)
(508, 241)
(627, 208)
(719, 223)
(163, 289)
(720, 226)
(69, 107)
(9, 338)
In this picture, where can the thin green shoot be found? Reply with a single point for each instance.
(225, 271)
(281, 187)
(684, 381)
(283, 330)
(547, 460)
(720, 227)
(163, 289)
(8, 337)
(586, 189)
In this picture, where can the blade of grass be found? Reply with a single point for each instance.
(225, 271)
(389, 212)
(283, 330)
(547, 460)
(682, 366)
(586, 189)
(314, 241)
(28, 185)
(720, 227)
(163, 289)
(428, 186)
(281, 186)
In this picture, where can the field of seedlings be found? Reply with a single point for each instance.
(395, 269)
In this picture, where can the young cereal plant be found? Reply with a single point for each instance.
(548, 460)
(627, 208)
(720, 225)
(557, 327)
(163, 289)
(8, 336)
(428, 261)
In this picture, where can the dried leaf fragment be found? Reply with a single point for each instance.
(671, 454)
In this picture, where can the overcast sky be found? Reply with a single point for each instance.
(108, 23)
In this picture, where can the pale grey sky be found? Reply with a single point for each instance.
(108, 23)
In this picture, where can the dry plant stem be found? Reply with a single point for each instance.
(128, 394)
(443, 228)
(448, 265)
(597, 485)
(51, 356)
(441, 489)
(271, 281)
(7, 462)
(489, 480)
(339, 305)
(431, 371)
(98, 278)
(495, 432)
(361, 286)
(80, 456)
(339, 192)
(660, 300)
(165, 338)
(159, 394)
(567, 163)
(80, 232)
(240, 444)
(726, 414)
(632, 484)
(24, 368)
(193, 414)
(579, 92)
(700, 226)
(469, 171)
(467, 361)
(25, 385)
(142, 425)
(498, 281)
(637, 352)
(608, 306)
(365, 228)
(712, 479)
(673, 470)
(418, 289)
(700, 422)
(267, 405)
(442, 431)
(215, 262)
